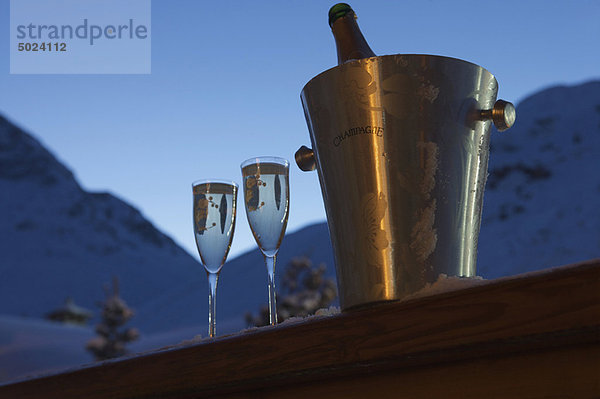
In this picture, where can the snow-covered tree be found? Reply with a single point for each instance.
(112, 338)
(304, 290)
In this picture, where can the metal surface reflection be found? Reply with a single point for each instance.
(401, 146)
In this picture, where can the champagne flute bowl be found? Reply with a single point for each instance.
(214, 213)
(266, 199)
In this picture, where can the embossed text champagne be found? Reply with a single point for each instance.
(349, 41)
(266, 195)
(214, 224)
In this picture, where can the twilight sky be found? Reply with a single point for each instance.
(226, 79)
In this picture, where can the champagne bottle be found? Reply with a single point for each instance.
(349, 41)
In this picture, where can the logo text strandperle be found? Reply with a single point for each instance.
(83, 31)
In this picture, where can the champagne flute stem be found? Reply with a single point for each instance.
(212, 303)
(270, 261)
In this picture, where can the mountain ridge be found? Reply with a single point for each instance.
(58, 240)
(53, 231)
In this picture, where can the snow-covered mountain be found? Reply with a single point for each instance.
(542, 199)
(58, 241)
(541, 209)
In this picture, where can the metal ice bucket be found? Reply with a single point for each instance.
(401, 146)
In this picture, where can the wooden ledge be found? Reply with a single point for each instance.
(526, 336)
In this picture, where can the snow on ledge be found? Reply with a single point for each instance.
(443, 284)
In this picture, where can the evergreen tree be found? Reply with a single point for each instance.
(304, 290)
(112, 338)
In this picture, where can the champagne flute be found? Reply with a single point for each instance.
(266, 197)
(214, 224)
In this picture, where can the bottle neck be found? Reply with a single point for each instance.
(349, 41)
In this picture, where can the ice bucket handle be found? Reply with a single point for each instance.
(305, 159)
(503, 115)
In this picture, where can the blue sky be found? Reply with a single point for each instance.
(225, 85)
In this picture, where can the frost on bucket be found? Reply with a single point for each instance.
(403, 205)
(446, 283)
(62, 37)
